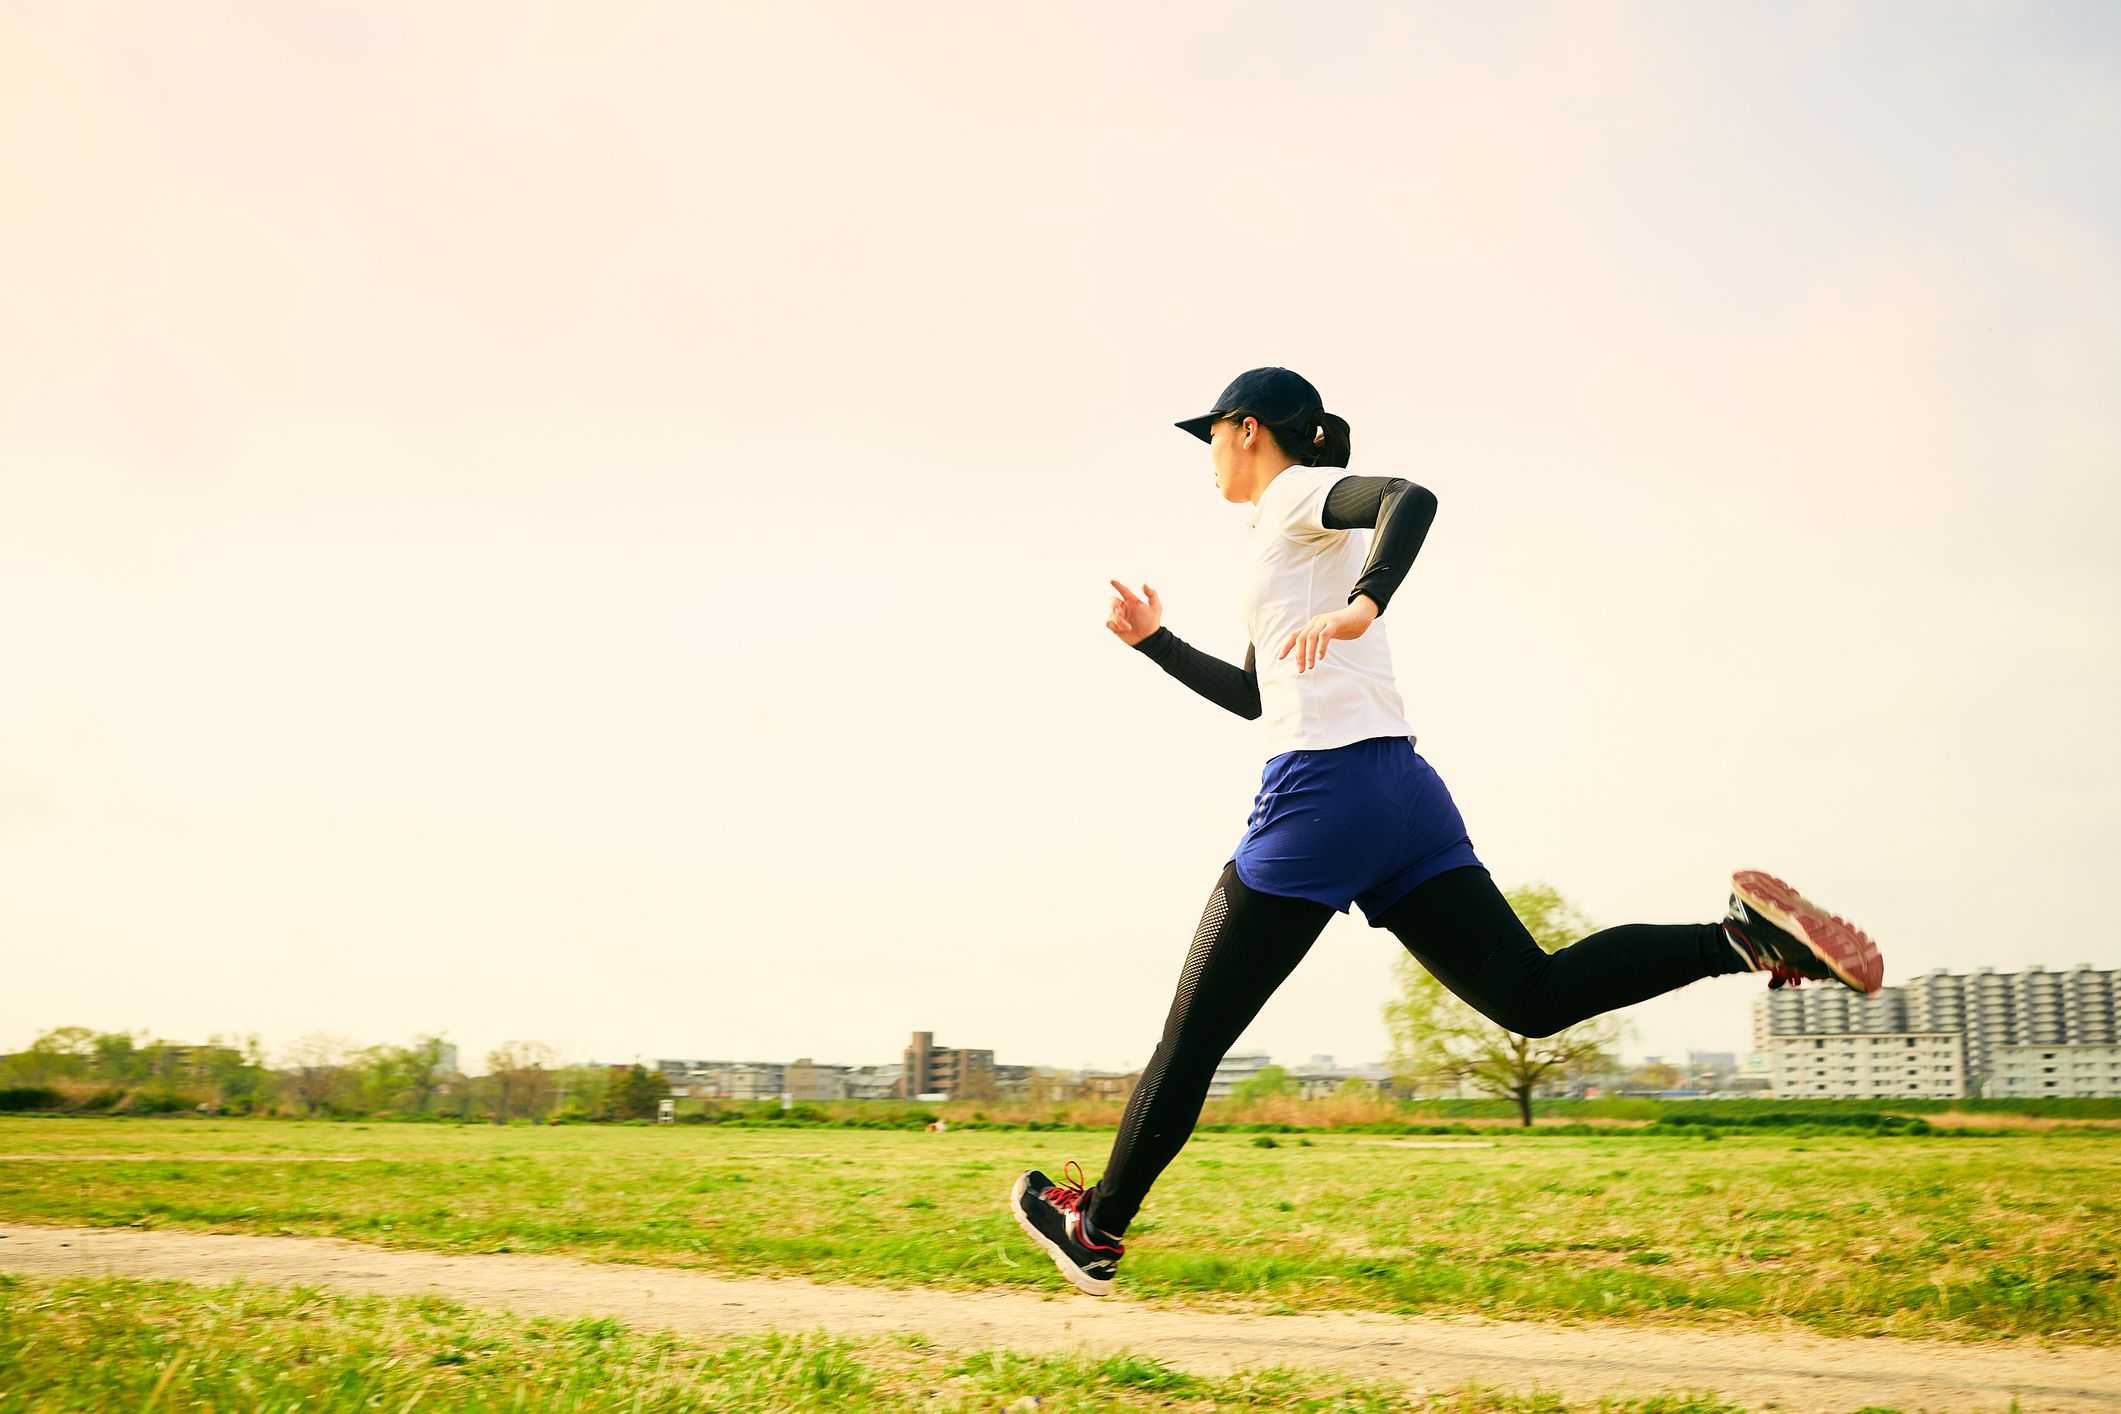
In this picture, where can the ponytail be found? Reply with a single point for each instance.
(1315, 438)
(1330, 441)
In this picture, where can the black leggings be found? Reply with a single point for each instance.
(1457, 925)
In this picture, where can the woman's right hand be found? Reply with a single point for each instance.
(1133, 619)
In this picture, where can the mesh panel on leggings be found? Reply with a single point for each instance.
(1246, 944)
(1211, 924)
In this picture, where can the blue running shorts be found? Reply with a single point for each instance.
(1361, 823)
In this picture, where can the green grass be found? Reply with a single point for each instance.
(110, 1344)
(1843, 1233)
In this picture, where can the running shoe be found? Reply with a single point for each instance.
(1781, 932)
(1051, 1214)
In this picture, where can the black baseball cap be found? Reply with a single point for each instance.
(1270, 394)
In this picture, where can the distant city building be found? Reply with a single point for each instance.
(807, 1080)
(1925, 1064)
(751, 1080)
(683, 1075)
(2060, 1071)
(1320, 1077)
(1051, 1085)
(1109, 1084)
(723, 1080)
(1235, 1069)
(944, 1070)
(2033, 1032)
(1755, 1076)
(873, 1082)
(446, 1061)
(1013, 1082)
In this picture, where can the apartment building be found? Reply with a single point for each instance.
(1928, 1064)
(807, 1080)
(945, 1070)
(1945, 1034)
(2055, 1071)
(873, 1082)
(1109, 1084)
(1233, 1070)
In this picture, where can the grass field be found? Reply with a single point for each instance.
(1923, 1237)
(110, 1344)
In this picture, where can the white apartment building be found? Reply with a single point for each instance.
(1233, 1070)
(1869, 1065)
(2055, 1070)
(2033, 1032)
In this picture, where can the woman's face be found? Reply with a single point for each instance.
(1227, 455)
(1240, 469)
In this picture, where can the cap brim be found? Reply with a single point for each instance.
(1199, 426)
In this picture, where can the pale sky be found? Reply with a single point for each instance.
(591, 523)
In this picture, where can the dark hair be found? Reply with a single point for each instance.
(1299, 436)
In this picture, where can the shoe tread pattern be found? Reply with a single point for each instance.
(1845, 949)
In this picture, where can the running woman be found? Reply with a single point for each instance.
(1348, 811)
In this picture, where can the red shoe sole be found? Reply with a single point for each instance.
(1846, 949)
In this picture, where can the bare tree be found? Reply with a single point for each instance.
(522, 1077)
(1438, 1039)
(316, 1067)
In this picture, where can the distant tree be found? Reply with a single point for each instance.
(639, 1093)
(118, 1057)
(1263, 1084)
(1655, 1075)
(166, 1064)
(63, 1053)
(423, 1071)
(583, 1091)
(316, 1071)
(521, 1072)
(371, 1077)
(235, 1070)
(398, 1078)
(1439, 1040)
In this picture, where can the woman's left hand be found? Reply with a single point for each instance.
(1310, 641)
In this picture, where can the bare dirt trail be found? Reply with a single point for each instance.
(1791, 1371)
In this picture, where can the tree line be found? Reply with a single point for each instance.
(1439, 1045)
(74, 1069)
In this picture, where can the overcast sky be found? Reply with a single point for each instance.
(591, 523)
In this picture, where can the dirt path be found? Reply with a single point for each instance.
(1793, 1371)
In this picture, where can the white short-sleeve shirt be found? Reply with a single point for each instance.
(1300, 569)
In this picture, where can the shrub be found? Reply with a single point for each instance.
(1876, 1121)
(29, 1097)
(156, 1102)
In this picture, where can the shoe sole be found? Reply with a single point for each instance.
(1847, 950)
(1088, 1285)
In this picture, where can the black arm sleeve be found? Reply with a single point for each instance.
(1399, 510)
(1234, 688)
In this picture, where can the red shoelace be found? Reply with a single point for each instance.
(1780, 974)
(1068, 1194)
